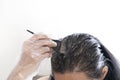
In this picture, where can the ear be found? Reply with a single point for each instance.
(104, 72)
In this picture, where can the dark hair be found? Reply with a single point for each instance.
(84, 53)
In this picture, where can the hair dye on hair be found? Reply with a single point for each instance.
(84, 53)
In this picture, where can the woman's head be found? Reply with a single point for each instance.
(81, 54)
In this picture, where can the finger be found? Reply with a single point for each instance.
(40, 51)
(39, 37)
(39, 58)
(48, 43)
(43, 50)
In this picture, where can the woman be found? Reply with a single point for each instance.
(75, 57)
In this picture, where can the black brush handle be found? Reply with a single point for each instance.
(30, 32)
(57, 41)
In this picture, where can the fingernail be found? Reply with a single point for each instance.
(53, 42)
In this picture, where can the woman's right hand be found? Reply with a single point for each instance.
(34, 51)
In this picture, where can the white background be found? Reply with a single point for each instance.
(57, 18)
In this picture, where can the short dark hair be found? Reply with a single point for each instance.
(84, 53)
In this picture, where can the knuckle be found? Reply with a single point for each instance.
(47, 48)
(41, 35)
(27, 42)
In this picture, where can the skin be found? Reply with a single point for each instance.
(78, 75)
(75, 76)
(36, 49)
(69, 76)
(72, 76)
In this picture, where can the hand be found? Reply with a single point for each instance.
(37, 48)
(34, 51)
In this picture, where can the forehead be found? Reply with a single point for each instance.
(71, 76)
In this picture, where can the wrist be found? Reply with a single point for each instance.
(17, 74)
(23, 71)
